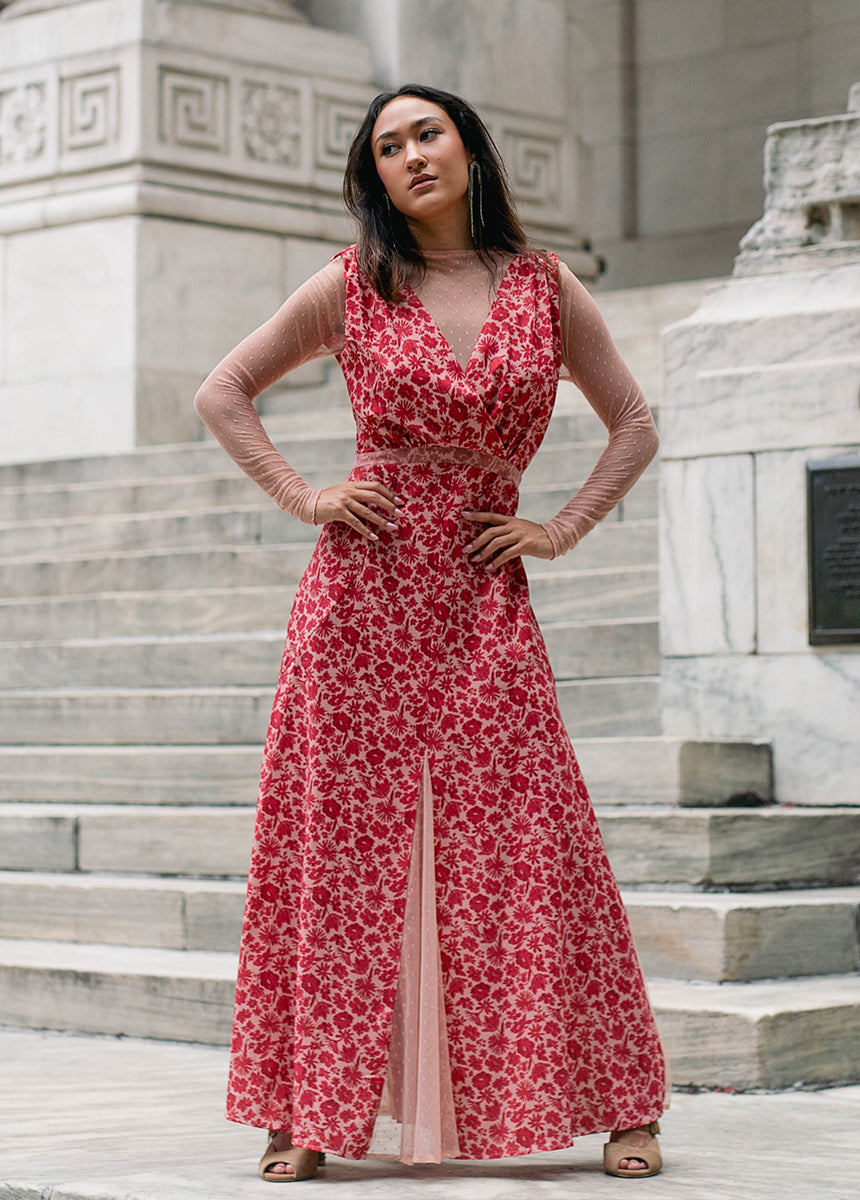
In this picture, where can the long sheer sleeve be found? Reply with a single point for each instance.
(600, 373)
(308, 324)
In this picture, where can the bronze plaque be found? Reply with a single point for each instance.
(833, 497)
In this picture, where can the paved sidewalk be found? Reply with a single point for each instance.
(96, 1117)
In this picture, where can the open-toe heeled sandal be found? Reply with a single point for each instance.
(614, 1152)
(304, 1162)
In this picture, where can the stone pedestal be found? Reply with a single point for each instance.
(169, 171)
(761, 379)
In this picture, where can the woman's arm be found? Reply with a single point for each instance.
(599, 371)
(309, 323)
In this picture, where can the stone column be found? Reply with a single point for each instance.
(169, 171)
(761, 379)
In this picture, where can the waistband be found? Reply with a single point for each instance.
(460, 455)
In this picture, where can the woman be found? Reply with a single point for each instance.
(432, 928)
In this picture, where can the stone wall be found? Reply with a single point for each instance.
(171, 169)
(763, 378)
(677, 95)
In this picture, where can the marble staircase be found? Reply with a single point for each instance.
(145, 601)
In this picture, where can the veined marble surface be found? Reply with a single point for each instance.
(762, 363)
(808, 705)
(762, 378)
(707, 588)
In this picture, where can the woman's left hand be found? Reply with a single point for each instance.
(506, 538)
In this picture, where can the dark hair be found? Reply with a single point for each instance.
(387, 251)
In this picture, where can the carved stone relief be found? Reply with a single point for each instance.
(271, 123)
(23, 123)
(193, 110)
(336, 121)
(90, 110)
(533, 163)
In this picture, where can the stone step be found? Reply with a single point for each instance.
(556, 461)
(205, 660)
(713, 936)
(729, 848)
(593, 649)
(239, 715)
(620, 707)
(611, 545)
(137, 716)
(154, 479)
(293, 415)
(777, 846)
(206, 457)
(768, 1034)
(250, 523)
(188, 841)
(671, 770)
(577, 649)
(107, 535)
(64, 501)
(70, 575)
(743, 936)
(645, 770)
(183, 995)
(290, 400)
(122, 910)
(556, 595)
(38, 510)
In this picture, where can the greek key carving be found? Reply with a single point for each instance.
(23, 122)
(193, 110)
(534, 167)
(271, 123)
(90, 110)
(336, 123)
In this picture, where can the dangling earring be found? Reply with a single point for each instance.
(476, 203)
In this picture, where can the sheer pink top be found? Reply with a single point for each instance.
(457, 290)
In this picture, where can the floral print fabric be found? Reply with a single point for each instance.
(404, 656)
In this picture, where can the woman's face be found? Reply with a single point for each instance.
(421, 159)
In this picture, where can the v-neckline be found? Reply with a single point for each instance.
(431, 320)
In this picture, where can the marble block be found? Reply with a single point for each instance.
(186, 995)
(165, 840)
(761, 361)
(34, 838)
(2, 310)
(200, 290)
(707, 560)
(70, 302)
(85, 414)
(808, 705)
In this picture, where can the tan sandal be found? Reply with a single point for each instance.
(614, 1152)
(304, 1162)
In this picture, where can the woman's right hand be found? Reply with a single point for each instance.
(351, 503)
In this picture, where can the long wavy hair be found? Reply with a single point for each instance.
(387, 252)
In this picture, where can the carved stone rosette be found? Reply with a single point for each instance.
(23, 123)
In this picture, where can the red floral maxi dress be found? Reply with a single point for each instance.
(432, 925)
